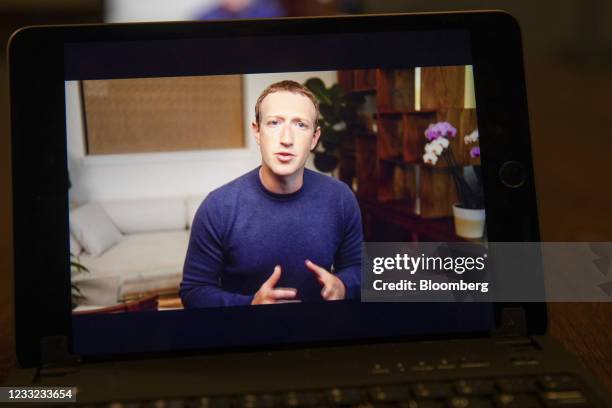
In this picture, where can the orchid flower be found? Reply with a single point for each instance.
(438, 135)
(433, 147)
(443, 142)
(440, 129)
(430, 158)
(471, 138)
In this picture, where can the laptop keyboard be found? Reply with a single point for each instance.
(508, 392)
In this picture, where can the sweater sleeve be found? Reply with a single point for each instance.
(347, 262)
(205, 261)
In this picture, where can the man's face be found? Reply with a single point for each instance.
(286, 132)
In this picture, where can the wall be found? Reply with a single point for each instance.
(164, 174)
(154, 10)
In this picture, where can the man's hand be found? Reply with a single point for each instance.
(267, 294)
(333, 288)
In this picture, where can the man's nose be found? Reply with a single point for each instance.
(286, 137)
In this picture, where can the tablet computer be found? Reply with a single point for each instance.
(78, 143)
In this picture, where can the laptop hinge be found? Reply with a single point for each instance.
(513, 323)
(55, 358)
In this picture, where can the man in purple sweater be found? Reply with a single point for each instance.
(281, 232)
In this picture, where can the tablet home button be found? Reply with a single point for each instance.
(512, 174)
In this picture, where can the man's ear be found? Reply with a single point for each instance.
(315, 138)
(255, 130)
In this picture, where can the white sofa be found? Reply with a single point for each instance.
(130, 247)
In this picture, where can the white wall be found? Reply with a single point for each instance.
(116, 11)
(146, 175)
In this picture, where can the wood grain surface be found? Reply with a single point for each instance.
(584, 329)
(571, 141)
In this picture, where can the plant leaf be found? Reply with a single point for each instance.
(327, 111)
(337, 93)
(317, 87)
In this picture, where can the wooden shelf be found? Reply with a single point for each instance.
(401, 162)
(408, 113)
(389, 170)
(362, 91)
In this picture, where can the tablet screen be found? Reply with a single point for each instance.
(222, 190)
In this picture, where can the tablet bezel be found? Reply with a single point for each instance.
(40, 200)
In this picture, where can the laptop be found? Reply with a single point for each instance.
(206, 213)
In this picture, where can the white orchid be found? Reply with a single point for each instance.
(442, 141)
(439, 135)
(430, 158)
(471, 138)
(435, 148)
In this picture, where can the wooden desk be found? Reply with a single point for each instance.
(584, 329)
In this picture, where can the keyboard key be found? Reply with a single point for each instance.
(211, 402)
(525, 360)
(446, 364)
(559, 383)
(422, 366)
(432, 390)
(475, 387)
(470, 362)
(175, 403)
(346, 396)
(165, 404)
(469, 402)
(389, 393)
(564, 399)
(423, 404)
(517, 385)
(517, 401)
(255, 401)
(302, 399)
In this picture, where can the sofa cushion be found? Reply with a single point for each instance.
(142, 262)
(75, 246)
(193, 203)
(147, 215)
(93, 228)
(97, 291)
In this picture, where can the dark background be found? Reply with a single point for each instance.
(568, 63)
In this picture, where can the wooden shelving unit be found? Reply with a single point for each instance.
(390, 176)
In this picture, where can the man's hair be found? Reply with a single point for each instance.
(289, 86)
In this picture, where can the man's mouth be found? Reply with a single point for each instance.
(284, 156)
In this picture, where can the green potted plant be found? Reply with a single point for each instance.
(75, 268)
(337, 117)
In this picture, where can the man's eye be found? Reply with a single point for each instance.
(273, 122)
(302, 125)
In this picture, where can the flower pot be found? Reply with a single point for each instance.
(469, 223)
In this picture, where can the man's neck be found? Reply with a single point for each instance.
(281, 184)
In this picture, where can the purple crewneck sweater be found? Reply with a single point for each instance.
(242, 230)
